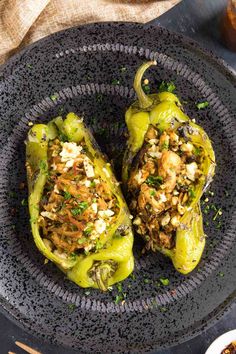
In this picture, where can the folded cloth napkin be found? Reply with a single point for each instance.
(25, 21)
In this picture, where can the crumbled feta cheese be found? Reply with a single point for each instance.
(106, 213)
(88, 168)
(191, 169)
(100, 226)
(153, 141)
(138, 177)
(70, 151)
(187, 147)
(87, 183)
(55, 189)
(94, 206)
(155, 154)
(48, 214)
(162, 198)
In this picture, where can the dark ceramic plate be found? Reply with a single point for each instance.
(90, 70)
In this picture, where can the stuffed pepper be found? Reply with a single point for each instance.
(78, 216)
(168, 164)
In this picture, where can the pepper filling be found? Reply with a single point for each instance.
(162, 185)
(77, 207)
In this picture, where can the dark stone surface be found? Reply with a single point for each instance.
(9, 332)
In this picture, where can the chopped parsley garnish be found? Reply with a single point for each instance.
(99, 97)
(221, 274)
(87, 292)
(123, 69)
(67, 195)
(146, 281)
(115, 82)
(88, 231)
(24, 202)
(165, 146)
(197, 151)
(202, 105)
(191, 193)
(30, 66)
(92, 184)
(163, 309)
(119, 287)
(167, 86)
(99, 245)
(164, 281)
(152, 193)
(81, 240)
(54, 97)
(118, 298)
(154, 181)
(81, 207)
(146, 89)
(218, 213)
(71, 307)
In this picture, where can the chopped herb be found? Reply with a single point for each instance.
(118, 298)
(197, 151)
(146, 89)
(24, 202)
(115, 82)
(67, 195)
(226, 193)
(30, 66)
(132, 276)
(165, 146)
(202, 105)
(213, 207)
(154, 181)
(123, 69)
(99, 97)
(167, 86)
(88, 231)
(82, 206)
(152, 193)
(94, 200)
(99, 245)
(211, 193)
(165, 281)
(87, 292)
(191, 193)
(206, 210)
(60, 110)
(119, 287)
(218, 213)
(81, 240)
(110, 288)
(71, 307)
(146, 281)
(207, 223)
(54, 97)
(219, 225)
(92, 184)
(163, 309)
(221, 274)
(12, 194)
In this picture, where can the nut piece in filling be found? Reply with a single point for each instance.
(162, 185)
(77, 206)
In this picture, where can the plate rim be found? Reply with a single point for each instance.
(221, 66)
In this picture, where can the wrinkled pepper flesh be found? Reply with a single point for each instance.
(79, 218)
(168, 164)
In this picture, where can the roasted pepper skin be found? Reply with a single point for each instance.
(163, 110)
(117, 243)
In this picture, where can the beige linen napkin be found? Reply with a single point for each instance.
(25, 21)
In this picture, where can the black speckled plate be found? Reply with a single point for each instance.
(90, 70)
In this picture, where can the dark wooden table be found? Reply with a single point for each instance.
(198, 19)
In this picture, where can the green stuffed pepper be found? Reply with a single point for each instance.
(78, 216)
(168, 164)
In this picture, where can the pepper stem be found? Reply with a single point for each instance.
(144, 100)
